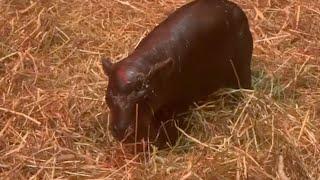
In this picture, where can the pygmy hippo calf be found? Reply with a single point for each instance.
(203, 46)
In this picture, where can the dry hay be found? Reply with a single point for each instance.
(53, 118)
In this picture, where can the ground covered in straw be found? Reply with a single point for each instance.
(53, 117)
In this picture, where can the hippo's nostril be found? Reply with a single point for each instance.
(119, 131)
(114, 127)
(119, 128)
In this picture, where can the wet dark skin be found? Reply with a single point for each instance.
(201, 47)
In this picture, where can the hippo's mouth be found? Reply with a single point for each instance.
(137, 135)
(129, 135)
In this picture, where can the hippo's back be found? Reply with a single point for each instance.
(190, 26)
(201, 37)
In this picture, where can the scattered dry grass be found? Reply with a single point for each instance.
(53, 118)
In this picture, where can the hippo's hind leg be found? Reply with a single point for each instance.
(243, 50)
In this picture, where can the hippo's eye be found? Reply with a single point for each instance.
(133, 86)
(138, 86)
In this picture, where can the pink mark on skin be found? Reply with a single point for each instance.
(124, 74)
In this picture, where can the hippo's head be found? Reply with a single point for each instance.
(131, 98)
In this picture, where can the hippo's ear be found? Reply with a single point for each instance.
(163, 68)
(107, 66)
